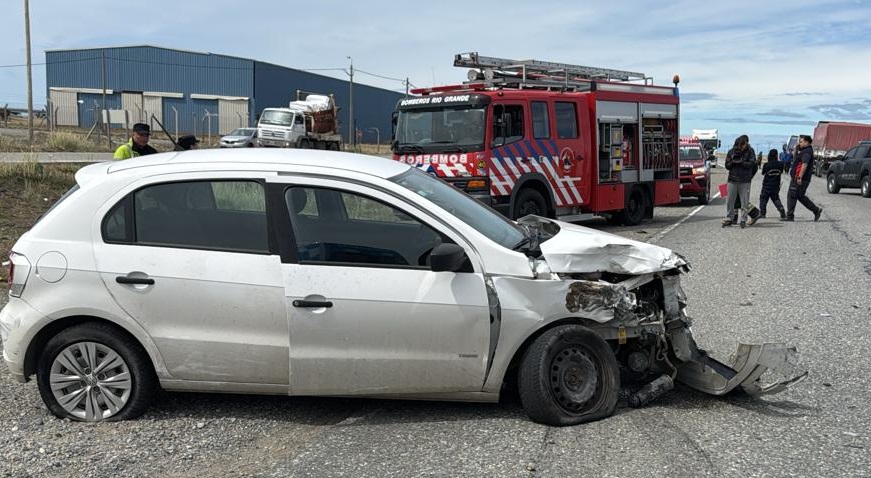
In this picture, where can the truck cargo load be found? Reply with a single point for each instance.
(834, 138)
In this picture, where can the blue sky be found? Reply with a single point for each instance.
(766, 69)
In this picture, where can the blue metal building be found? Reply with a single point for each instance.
(193, 92)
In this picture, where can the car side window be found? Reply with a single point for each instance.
(851, 153)
(227, 215)
(862, 151)
(348, 228)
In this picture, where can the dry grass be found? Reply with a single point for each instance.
(51, 142)
(27, 191)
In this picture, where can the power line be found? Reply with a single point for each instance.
(380, 76)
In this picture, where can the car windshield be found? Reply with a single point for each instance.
(281, 118)
(690, 153)
(242, 132)
(441, 130)
(483, 219)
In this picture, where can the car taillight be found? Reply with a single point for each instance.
(16, 283)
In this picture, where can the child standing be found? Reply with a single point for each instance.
(771, 173)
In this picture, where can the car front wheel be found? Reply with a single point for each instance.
(865, 186)
(569, 375)
(832, 184)
(93, 372)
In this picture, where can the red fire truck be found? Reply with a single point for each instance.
(552, 139)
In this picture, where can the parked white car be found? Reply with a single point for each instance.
(322, 273)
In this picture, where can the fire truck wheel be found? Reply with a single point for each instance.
(635, 206)
(568, 375)
(304, 144)
(529, 201)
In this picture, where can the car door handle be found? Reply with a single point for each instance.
(134, 280)
(314, 304)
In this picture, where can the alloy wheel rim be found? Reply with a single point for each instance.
(90, 381)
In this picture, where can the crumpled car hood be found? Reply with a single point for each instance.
(578, 249)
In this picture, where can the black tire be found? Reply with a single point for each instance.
(569, 375)
(705, 197)
(832, 184)
(633, 214)
(333, 146)
(865, 186)
(143, 380)
(529, 201)
(305, 144)
(249, 145)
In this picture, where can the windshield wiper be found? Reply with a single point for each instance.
(405, 148)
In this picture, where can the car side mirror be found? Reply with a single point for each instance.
(447, 257)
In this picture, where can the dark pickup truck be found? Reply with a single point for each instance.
(853, 171)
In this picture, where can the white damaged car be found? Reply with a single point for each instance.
(287, 272)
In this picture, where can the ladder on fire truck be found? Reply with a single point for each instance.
(495, 71)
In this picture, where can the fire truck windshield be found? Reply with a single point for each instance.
(441, 130)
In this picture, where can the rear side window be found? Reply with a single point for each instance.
(219, 215)
(540, 121)
(566, 120)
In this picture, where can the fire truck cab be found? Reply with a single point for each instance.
(550, 139)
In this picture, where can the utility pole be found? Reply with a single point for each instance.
(352, 137)
(29, 75)
(104, 112)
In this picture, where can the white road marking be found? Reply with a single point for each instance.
(674, 226)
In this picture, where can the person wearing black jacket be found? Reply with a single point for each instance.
(801, 178)
(741, 163)
(771, 172)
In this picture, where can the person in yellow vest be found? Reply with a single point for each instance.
(138, 144)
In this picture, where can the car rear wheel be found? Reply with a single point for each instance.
(832, 184)
(865, 186)
(93, 372)
(569, 375)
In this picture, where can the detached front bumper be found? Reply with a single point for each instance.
(757, 369)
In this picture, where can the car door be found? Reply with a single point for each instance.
(367, 315)
(853, 165)
(190, 261)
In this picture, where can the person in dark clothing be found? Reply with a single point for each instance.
(771, 172)
(186, 142)
(741, 163)
(801, 179)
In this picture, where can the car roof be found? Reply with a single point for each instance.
(277, 159)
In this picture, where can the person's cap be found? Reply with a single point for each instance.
(141, 128)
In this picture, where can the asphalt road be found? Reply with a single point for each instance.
(803, 283)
